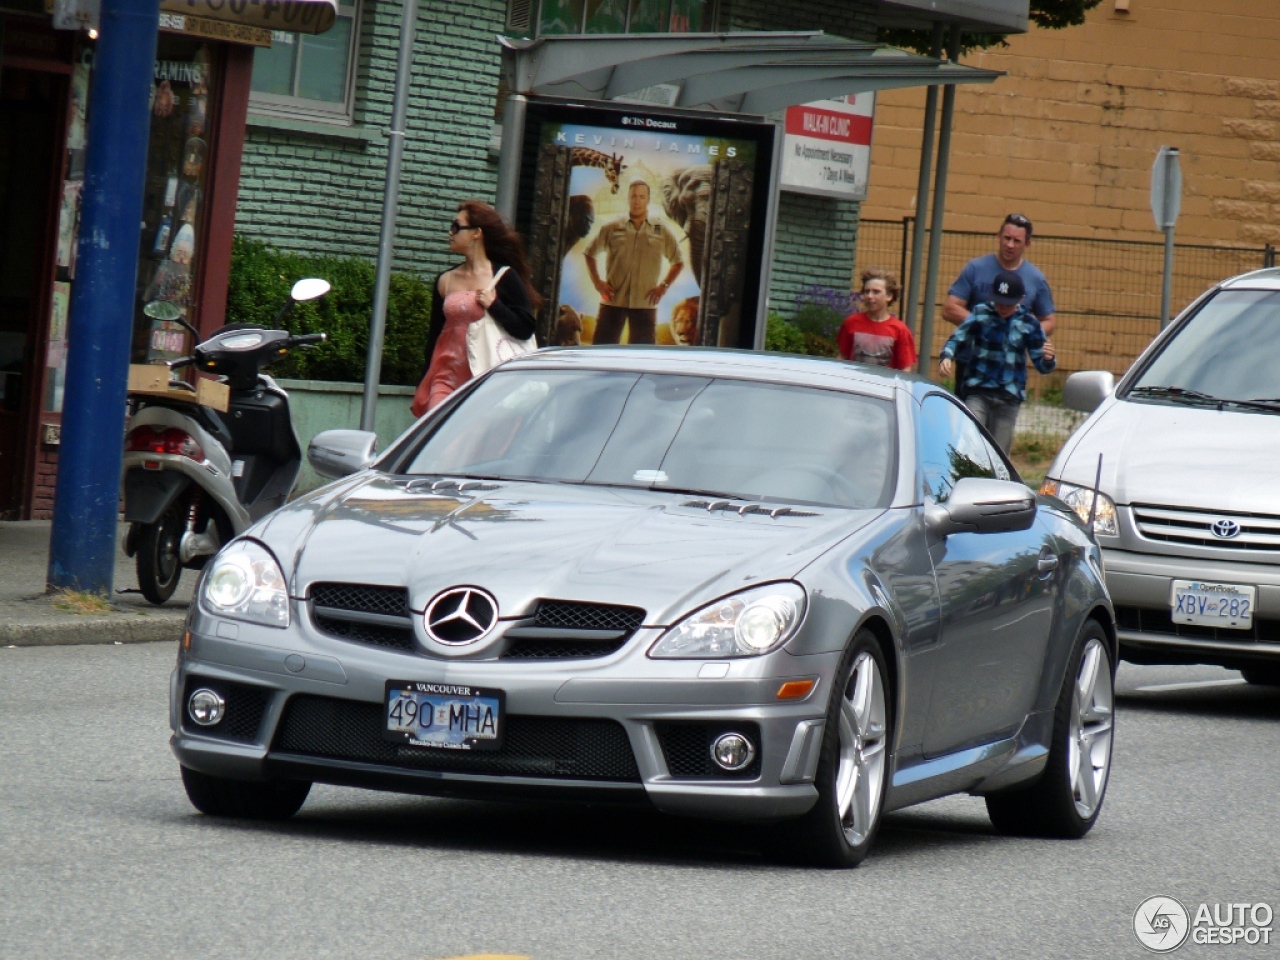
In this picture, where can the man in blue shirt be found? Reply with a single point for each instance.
(973, 286)
(999, 337)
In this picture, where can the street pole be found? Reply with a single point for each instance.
(922, 187)
(82, 549)
(390, 203)
(1166, 291)
(928, 308)
(513, 122)
(1166, 202)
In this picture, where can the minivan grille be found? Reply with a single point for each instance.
(1141, 620)
(1196, 528)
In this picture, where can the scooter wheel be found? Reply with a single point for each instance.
(159, 565)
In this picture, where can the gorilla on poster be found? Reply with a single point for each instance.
(629, 216)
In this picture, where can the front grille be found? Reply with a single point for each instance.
(1140, 620)
(1194, 528)
(245, 708)
(687, 748)
(568, 748)
(535, 648)
(567, 614)
(364, 613)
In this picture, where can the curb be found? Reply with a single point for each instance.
(96, 630)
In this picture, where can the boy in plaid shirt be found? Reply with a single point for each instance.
(1001, 335)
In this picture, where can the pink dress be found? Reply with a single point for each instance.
(450, 368)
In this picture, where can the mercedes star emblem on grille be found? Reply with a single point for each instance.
(1225, 529)
(461, 615)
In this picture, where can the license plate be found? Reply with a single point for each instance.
(446, 716)
(1228, 605)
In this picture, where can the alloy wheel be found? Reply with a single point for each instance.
(863, 730)
(1089, 741)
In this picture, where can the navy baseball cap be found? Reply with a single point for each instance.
(1007, 289)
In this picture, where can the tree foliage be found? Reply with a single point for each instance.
(1050, 14)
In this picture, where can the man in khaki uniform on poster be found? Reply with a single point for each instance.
(635, 247)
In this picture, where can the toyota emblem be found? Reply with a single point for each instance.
(1225, 529)
(461, 615)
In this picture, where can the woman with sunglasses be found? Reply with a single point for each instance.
(465, 292)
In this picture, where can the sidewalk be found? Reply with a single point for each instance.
(30, 618)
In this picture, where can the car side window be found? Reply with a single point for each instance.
(951, 447)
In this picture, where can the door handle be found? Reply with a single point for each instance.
(1047, 563)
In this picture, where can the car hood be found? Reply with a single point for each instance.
(1178, 455)
(522, 541)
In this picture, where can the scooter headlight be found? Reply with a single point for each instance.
(244, 582)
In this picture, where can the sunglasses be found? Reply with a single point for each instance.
(455, 226)
(1018, 220)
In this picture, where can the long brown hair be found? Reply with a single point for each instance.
(501, 243)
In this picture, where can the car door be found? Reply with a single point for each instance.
(995, 594)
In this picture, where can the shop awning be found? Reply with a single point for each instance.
(743, 73)
(293, 16)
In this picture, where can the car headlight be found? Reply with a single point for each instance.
(745, 624)
(244, 582)
(1080, 499)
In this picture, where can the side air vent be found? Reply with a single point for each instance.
(519, 16)
(747, 509)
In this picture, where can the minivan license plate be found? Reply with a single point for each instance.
(448, 716)
(1227, 605)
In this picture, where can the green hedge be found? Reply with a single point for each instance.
(260, 280)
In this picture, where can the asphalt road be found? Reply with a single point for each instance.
(101, 855)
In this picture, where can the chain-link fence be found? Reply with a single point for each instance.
(1107, 294)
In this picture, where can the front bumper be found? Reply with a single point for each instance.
(1140, 585)
(315, 707)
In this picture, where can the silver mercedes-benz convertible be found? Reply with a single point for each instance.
(726, 584)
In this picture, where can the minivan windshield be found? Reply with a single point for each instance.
(720, 437)
(1228, 352)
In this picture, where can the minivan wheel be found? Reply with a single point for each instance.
(1067, 798)
(159, 565)
(1264, 676)
(245, 799)
(852, 770)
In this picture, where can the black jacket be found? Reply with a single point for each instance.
(513, 310)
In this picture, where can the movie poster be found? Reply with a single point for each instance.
(647, 229)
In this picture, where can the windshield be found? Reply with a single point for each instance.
(731, 438)
(1229, 351)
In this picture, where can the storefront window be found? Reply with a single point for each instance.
(303, 74)
(173, 202)
(560, 17)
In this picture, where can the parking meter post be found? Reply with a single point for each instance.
(390, 204)
(912, 278)
(1166, 291)
(82, 547)
(1166, 202)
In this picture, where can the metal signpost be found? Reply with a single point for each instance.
(1166, 201)
(82, 550)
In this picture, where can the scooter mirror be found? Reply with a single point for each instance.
(309, 289)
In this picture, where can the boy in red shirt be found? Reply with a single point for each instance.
(875, 336)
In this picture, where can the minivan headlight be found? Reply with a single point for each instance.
(244, 582)
(1080, 499)
(745, 624)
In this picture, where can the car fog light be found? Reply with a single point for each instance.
(206, 707)
(732, 751)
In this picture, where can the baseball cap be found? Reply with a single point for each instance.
(1007, 288)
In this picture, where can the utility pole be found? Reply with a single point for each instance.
(1166, 202)
(82, 550)
(390, 204)
(912, 279)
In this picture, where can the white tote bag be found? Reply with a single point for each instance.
(488, 344)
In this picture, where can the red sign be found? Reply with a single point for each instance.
(821, 124)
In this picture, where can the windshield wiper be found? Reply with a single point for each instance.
(1180, 394)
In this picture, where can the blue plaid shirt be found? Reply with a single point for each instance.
(997, 350)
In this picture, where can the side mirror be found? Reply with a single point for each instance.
(340, 453)
(1086, 390)
(309, 289)
(977, 505)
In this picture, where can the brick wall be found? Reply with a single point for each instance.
(816, 236)
(46, 475)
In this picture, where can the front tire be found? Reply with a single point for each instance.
(158, 562)
(1264, 676)
(853, 767)
(244, 799)
(1066, 800)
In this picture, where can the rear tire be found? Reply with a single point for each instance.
(245, 799)
(158, 562)
(1067, 798)
(1264, 676)
(853, 768)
